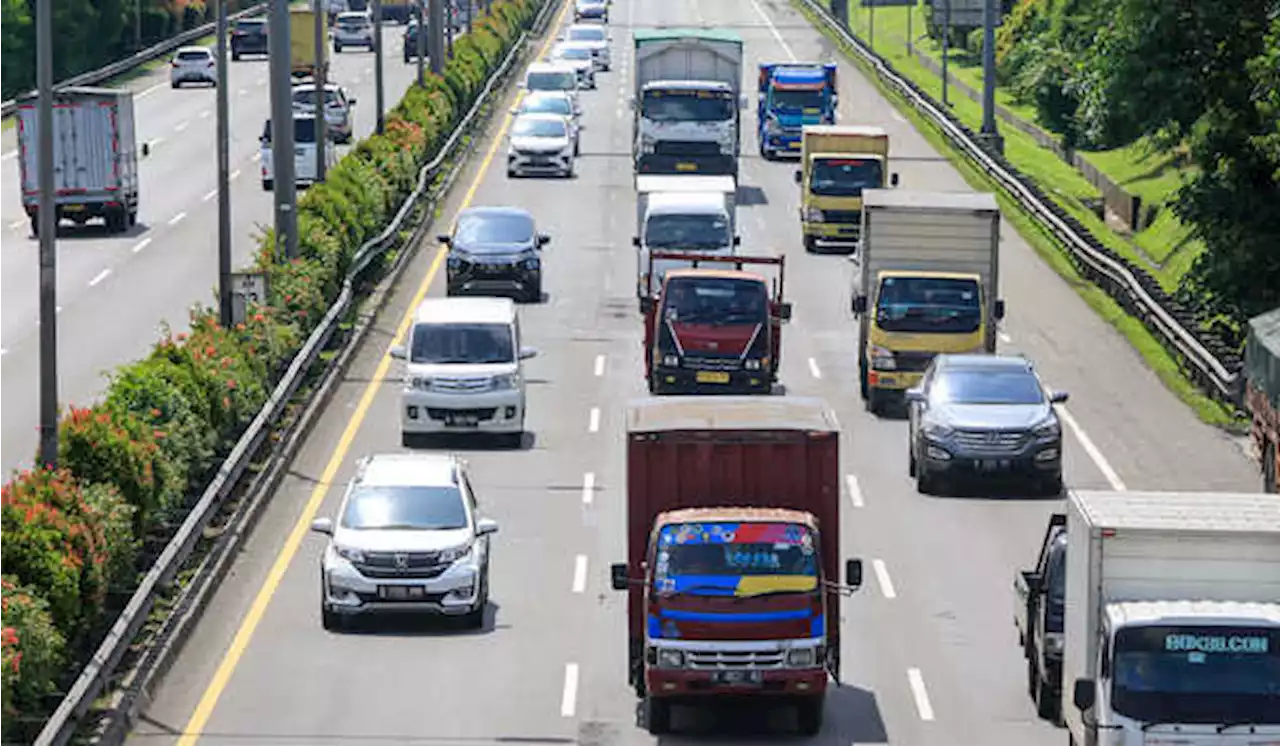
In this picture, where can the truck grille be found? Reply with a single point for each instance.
(726, 661)
(913, 362)
(416, 565)
(684, 147)
(991, 441)
(842, 216)
(697, 362)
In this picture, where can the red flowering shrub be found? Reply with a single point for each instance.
(108, 446)
(32, 653)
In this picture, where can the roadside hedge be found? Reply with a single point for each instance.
(132, 465)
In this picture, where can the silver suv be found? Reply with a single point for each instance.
(408, 539)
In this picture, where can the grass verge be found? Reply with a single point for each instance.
(1166, 367)
(1164, 247)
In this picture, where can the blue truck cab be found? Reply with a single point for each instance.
(791, 95)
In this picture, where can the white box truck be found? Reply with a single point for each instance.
(1172, 629)
(688, 213)
(95, 157)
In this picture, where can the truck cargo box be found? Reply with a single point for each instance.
(688, 54)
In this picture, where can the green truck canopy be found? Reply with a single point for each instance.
(1262, 354)
(671, 34)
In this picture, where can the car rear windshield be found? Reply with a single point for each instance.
(193, 56)
(307, 96)
(586, 34)
(512, 228)
(575, 53)
(304, 130)
(405, 508)
(529, 127)
(353, 22)
(256, 27)
(551, 81)
(987, 386)
(547, 105)
(475, 344)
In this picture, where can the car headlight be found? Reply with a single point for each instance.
(531, 262)
(881, 358)
(454, 554)
(670, 658)
(671, 361)
(751, 365)
(422, 383)
(456, 262)
(936, 430)
(813, 215)
(1047, 429)
(506, 381)
(802, 657)
(350, 554)
(1053, 643)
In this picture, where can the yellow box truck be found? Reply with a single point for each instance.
(302, 38)
(836, 163)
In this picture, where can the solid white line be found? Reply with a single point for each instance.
(1005, 338)
(569, 700)
(921, 695)
(235, 174)
(894, 113)
(855, 493)
(177, 218)
(580, 573)
(594, 425)
(1095, 455)
(212, 193)
(813, 368)
(882, 575)
(599, 358)
(139, 246)
(243, 91)
(58, 309)
(588, 487)
(181, 126)
(104, 274)
(774, 30)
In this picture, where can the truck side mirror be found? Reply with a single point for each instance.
(635, 241)
(999, 310)
(618, 576)
(859, 304)
(737, 240)
(543, 240)
(146, 149)
(646, 304)
(853, 573)
(784, 311)
(1083, 695)
(398, 352)
(893, 179)
(798, 177)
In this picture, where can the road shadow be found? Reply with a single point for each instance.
(92, 231)
(422, 625)
(470, 442)
(995, 488)
(751, 196)
(852, 716)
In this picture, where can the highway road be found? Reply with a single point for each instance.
(115, 291)
(930, 650)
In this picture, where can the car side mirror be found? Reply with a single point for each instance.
(914, 395)
(646, 304)
(323, 526)
(351, 101)
(999, 310)
(859, 305)
(853, 573)
(486, 526)
(893, 179)
(798, 177)
(543, 240)
(398, 352)
(445, 239)
(146, 149)
(737, 240)
(635, 241)
(618, 576)
(1083, 694)
(527, 352)
(1058, 397)
(784, 311)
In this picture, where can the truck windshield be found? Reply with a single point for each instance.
(785, 100)
(929, 305)
(686, 106)
(845, 177)
(735, 559)
(686, 232)
(714, 300)
(1197, 674)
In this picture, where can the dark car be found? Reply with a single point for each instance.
(411, 42)
(984, 416)
(495, 251)
(249, 36)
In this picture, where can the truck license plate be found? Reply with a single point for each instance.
(402, 592)
(73, 208)
(710, 376)
(737, 678)
(686, 167)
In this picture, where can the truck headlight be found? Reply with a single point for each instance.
(1053, 643)
(647, 144)
(812, 215)
(771, 127)
(751, 365)
(671, 361)
(802, 657)
(670, 658)
(882, 358)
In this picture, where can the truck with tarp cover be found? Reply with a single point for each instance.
(1262, 392)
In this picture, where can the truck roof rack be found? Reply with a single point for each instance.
(738, 261)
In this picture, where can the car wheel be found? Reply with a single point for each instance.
(337, 48)
(235, 56)
(534, 294)
(1051, 486)
(474, 619)
(408, 440)
(511, 173)
(1046, 703)
(331, 621)
(268, 185)
(174, 84)
(911, 458)
(514, 440)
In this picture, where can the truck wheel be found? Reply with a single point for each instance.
(35, 225)
(657, 715)
(862, 379)
(337, 47)
(873, 400)
(1046, 703)
(133, 217)
(809, 716)
(810, 244)
(911, 459)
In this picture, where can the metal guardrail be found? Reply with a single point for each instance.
(1215, 371)
(137, 59)
(80, 699)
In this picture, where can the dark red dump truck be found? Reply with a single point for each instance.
(714, 330)
(733, 541)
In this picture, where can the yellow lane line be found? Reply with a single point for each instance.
(209, 699)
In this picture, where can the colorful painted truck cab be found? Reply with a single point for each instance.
(1262, 393)
(789, 96)
(732, 572)
(713, 331)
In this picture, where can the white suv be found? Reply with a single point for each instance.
(193, 65)
(304, 153)
(339, 108)
(408, 538)
(464, 371)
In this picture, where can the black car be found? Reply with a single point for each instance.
(495, 250)
(249, 36)
(411, 43)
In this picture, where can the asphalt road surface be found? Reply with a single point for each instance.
(930, 650)
(115, 291)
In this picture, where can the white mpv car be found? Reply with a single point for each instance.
(408, 538)
(463, 369)
(304, 153)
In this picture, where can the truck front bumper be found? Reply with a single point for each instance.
(893, 380)
(831, 231)
(682, 684)
(709, 165)
(692, 381)
(781, 143)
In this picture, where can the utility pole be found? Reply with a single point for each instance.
(137, 25)
(990, 134)
(946, 47)
(379, 93)
(420, 41)
(322, 96)
(448, 24)
(285, 188)
(224, 180)
(48, 230)
(435, 43)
